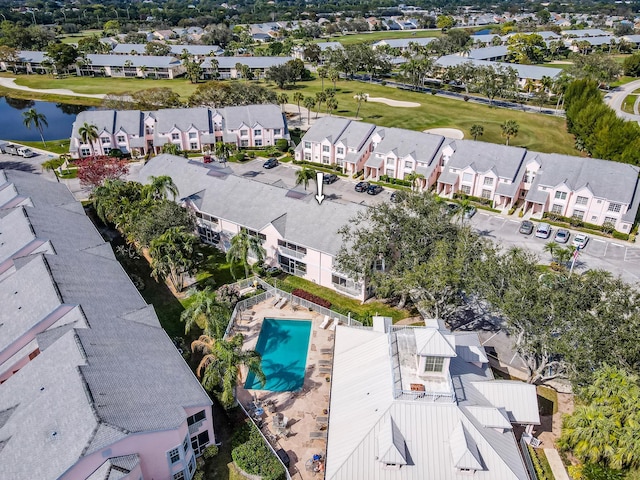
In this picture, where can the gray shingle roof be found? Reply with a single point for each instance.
(488, 52)
(326, 127)
(533, 72)
(297, 217)
(422, 146)
(176, 50)
(268, 116)
(251, 62)
(29, 56)
(504, 160)
(183, 118)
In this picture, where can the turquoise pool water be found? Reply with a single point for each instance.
(283, 345)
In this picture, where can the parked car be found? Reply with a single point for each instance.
(26, 152)
(271, 163)
(543, 230)
(453, 207)
(11, 149)
(470, 212)
(362, 187)
(329, 178)
(580, 241)
(206, 159)
(526, 227)
(374, 189)
(562, 236)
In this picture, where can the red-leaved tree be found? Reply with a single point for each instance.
(93, 171)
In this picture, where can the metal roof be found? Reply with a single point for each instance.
(533, 72)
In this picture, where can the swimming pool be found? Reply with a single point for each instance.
(283, 345)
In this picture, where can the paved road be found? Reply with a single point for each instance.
(616, 97)
(618, 257)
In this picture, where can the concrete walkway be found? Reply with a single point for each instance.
(616, 97)
(555, 462)
(9, 82)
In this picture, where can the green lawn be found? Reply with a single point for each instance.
(537, 132)
(75, 37)
(628, 103)
(54, 146)
(341, 303)
(369, 37)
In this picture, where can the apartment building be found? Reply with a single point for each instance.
(231, 67)
(191, 129)
(298, 235)
(91, 386)
(591, 190)
(142, 66)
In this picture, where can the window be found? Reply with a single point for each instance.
(253, 233)
(594, 218)
(148, 129)
(561, 195)
(244, 133)
(578, 214)
(107, 150)
(307, 156)
(610, 220)
(244, 143)
(466, 189)
(105, 140)
(556, 208)
(121, 139)
(337, 280)
(529, 177)
(408, 164)
(340, 150)
(192, 466)
(258, 142)
(614, 207)
(325, 149)
(485, 193)
(467, 177)
(581, 200)
(276, 131)
(433, 364)
(185, 444)
(292, 266)
(307, 144)
(193, 146)
(488, 181)
(85, 151)
(175, 136)
(257, 132)
(292, 246)
(192, 135)
(207, 217)
(174, 455)
(179, 475)
(200, 442)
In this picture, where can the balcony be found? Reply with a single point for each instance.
(353, 290)
(291, 253)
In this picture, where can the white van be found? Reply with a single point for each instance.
(26, 152)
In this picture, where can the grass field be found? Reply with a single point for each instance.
(369, 37)
(537, 132)
(53, 146)
(628, 103)
(75, 37)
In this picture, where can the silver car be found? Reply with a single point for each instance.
(543, 230)
(562, 236)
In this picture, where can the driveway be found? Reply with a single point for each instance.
(616, 97)
(618, 257)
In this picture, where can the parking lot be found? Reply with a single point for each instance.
(615, 256)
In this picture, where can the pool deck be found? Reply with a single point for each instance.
(306, 410)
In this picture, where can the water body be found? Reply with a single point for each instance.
(60, 117)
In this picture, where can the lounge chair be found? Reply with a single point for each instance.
(326, 351)
(325, 323)
(283, 303)
(276, 299)
(324, 370)
(324, 363)
(318, 435)
(336, 322)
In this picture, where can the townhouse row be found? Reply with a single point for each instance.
(91, 386)
(591, 190)
(135, 131)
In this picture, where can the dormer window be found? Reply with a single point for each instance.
(433, 364)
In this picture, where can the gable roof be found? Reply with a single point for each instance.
(503, 160)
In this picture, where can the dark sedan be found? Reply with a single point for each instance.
(329, 178)
(362, 187)
(374, 189)
(271, 163)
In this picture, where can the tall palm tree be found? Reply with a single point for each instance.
(36, 119)
(172, 256)
(332, 104)
(283, 99)
(242, 244)
(309, 103)
(206, 313)
(298, 97)
(222, 151)
(88, 134)
(322, 73)
(476, 131)
(160, 188)
(221, 362)
(413, 178)
(360, 97)
(304, 176)
(510, 129)
(321, 97)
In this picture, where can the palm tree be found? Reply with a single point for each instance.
(33, 118)
(242, 244)
(88, 134)
(171, 148)
(332, 104)
(222, 151)
(172, 256)
(304, 176)
(550, 248)
(298, 97)
(360, 97)
(207, 314)
(509, 129)
(334, 76)
(160, 187)
(221, 362)
(309, 103)
(283, 99)
(413, 178)
(320, 98)
(322, 73)
(476, 131)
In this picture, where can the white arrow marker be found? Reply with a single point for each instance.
(320, 184)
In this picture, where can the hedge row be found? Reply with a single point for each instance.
(251, 454)
(298, 292)
(574, 222)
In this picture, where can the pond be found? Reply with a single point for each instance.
(60, 117)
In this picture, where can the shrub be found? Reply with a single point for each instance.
(228, 295)
(210, 452)
(282, 144)
(237, 157)
(298, 292)
(252, 455)
(620, 235)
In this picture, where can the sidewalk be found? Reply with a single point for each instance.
(555, 462)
